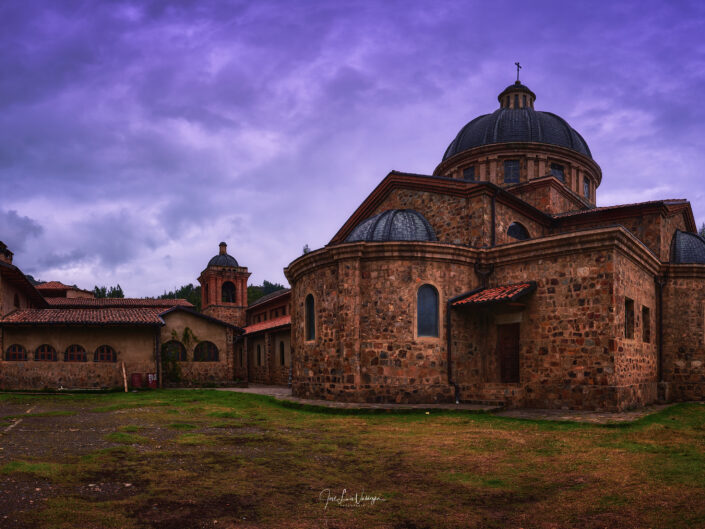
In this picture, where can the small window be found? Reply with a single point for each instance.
(310, 318)
(259, 355)
(205, 294)
(629, 318)
(511, 171)
(469, 174)
(586, 189)
(427, 311)
(17, 301)
(646, 324)
(105, 353)
(228, 292)
(174, 350)
(205, 352)
(75, 353)
(45, 353)
(523, 101)
(558, 172)
(16, 353)
(516, 100)
(518, 231)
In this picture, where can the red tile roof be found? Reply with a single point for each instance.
(116, 302)
(269, 324)
(667, 202)
(55, 285)
(97, 316)
(496, 294)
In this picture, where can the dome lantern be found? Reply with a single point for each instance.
(516, 96)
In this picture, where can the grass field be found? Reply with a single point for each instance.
(181, 459)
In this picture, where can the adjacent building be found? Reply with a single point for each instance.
(497, 279)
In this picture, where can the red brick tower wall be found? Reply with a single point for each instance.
(212, 303)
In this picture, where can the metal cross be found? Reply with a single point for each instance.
(518, 68)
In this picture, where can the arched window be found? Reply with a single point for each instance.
(518, 232)
(75, 353)
(16, 353)
(205, 352)
(281, 352)
(174, 350)
(259, 355)
(586, 189)
(17, 301)
(205, 295)
(105, 353)
(427, 311)
(228, 292)
(45, 353)
(310, 318)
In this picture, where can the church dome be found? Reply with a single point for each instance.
(687, 248)
(517, 121)
(393, 225)
(223, 258)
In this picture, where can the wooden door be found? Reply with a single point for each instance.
(508, 352)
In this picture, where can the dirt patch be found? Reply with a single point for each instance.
(213, 513)
(18, 496)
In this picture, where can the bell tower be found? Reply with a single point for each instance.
(224, 288)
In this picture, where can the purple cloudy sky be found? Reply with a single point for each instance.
(135, 136)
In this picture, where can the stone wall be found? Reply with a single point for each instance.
(636, 357)
(366, 348)
(198, 373)
(455, 219)
(135, 346)
(684, 331)
(549, 196)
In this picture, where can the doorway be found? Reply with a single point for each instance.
(508, 352)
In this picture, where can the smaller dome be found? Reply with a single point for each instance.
(687, 248)
(393, 225)
(223, 259)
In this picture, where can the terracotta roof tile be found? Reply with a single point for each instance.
(269, 297)
(269, 324)
(496, 294)
(86, 316)
(116, 302)
(667, 202)
(55, 285)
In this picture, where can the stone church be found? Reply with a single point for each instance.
(497, 279)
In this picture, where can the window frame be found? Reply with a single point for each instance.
(506, 165)
(628, 318)
(105, 354)
(75, 353)
(418, 323)
(558, 168)
(182, 355)
(44, 349)
(310, 318)
(211, 353)
(223, 287)
(17, 351)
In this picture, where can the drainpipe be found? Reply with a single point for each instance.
(449, 341)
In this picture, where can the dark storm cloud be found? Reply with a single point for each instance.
(15, 230)
(133, 131)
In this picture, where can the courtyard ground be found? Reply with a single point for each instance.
(214, 459)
